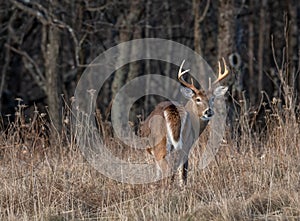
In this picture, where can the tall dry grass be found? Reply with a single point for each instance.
(256, 175)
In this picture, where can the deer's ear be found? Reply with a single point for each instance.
(187, 92)
(220, 91)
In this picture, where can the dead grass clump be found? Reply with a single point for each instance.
(270, 203)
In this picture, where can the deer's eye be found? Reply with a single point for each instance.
(198, 100)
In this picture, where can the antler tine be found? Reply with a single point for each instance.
(224, 74)
(180, 73)
(183, 82)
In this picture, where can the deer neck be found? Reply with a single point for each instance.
(197, 123)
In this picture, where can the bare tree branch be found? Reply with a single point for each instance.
(47, 18)
(41, 16)
(37, 74)
(201, 18)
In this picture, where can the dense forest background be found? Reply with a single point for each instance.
(46, 46)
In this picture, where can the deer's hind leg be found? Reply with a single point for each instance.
(160, 152)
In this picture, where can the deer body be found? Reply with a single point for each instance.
(173, 127)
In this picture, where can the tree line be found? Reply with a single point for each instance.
(46, 46)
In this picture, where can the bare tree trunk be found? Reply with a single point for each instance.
(134, 70)
(261, 44)
(251, 55)
(170, 35)
(53, 78)
(198, 18)
(127, 24)
(198, 41)
(225, 29)
(121, 74)
(197, 31)
(225, 40)
(293, 44)
(134, 67)
(147, 62)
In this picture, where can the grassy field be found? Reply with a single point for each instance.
(256, 176)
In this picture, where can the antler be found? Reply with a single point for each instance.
(182, 81)
(224, 74)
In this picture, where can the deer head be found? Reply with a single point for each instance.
(201, 103)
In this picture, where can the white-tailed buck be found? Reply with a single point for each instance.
(172, 127)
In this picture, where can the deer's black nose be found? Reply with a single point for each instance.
(208, 113)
